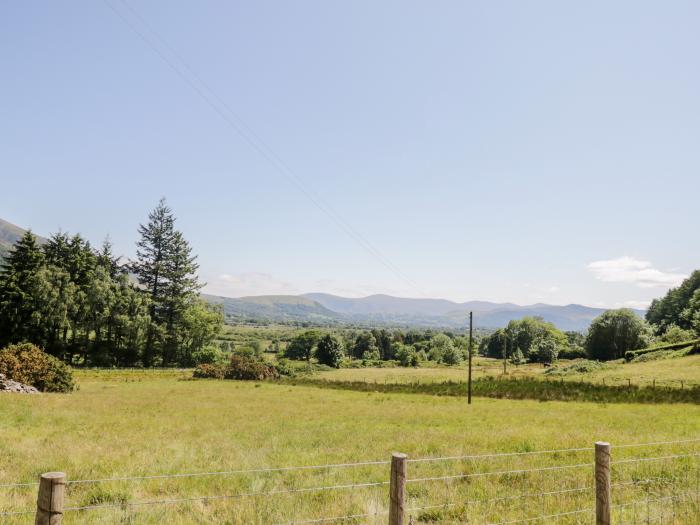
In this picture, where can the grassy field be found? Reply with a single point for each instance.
(143, 423)
(662, 372)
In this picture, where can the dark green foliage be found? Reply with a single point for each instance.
(530, 337)
(407, 356)
(365, 345)
(79, 304)
(18, 279)
(616, 332)
(680, 307)
(28, 364)
(693, 344)
(329, 351)
(167, 269)
(302, 346)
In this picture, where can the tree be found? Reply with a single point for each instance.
(18, 274)
(302, 346)
(180, 289)
(329, 351)
(384, 344)
(365, 345)
(441, 346)
(615, 332)
(152, 256)
(675, 307)
(546, 351)
(407, 355)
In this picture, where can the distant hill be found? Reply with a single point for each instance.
(9, 234)
(388, 310)
(280, 308)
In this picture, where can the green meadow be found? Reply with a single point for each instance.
(146, 423)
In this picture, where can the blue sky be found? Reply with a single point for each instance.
(507, 151)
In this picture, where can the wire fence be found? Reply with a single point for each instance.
(654, 482)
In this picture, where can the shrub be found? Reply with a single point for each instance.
(251, 369)
(573, 352)
(209, 371)
(239, 367)
(207, 355)
(580, 367)
(28, 364)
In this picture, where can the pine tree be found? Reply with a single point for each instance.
(18, 274)
(180, 290)
(153, 252)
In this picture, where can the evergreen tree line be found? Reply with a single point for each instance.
(82, 305)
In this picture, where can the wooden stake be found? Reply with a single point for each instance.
(49, 504)
(397, 489)
(469, 380)
(603, 496)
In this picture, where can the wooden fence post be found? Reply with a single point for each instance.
(603, 496)
(397, 489)
(49, 503)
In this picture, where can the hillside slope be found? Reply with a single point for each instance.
(9, 234)
(274, 308)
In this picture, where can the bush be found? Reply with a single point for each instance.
(239, 367)
(573, 352)
(251, 369)
(207, 355)
(28, 364)
(209, 371)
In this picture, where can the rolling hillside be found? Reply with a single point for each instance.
(279, 308)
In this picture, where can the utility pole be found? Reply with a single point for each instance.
(505, 350)
(469, 381)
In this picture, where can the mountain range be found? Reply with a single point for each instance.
(320, 308)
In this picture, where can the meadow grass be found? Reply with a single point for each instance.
(142, 423)
(672, 373)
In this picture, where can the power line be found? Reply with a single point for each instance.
(254, 140)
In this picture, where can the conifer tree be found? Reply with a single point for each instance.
(18, 274)
(152, 255)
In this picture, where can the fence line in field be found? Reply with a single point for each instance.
(55, 484)
(352, 465)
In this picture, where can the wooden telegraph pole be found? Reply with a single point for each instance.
(505, 350)
(469, 380)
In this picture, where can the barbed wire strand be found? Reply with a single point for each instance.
(17, 512)
(499, 472)
(227, 496)
(229, 472)
(348, 465)
(660, 458)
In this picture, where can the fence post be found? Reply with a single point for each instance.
(397, 489)
(49, 503)
(603, 496)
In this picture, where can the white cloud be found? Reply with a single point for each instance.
(250, 283)
(630, 270)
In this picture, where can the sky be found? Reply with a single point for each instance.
(538, 151)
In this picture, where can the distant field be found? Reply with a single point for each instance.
(125, 423)
(665, 372)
